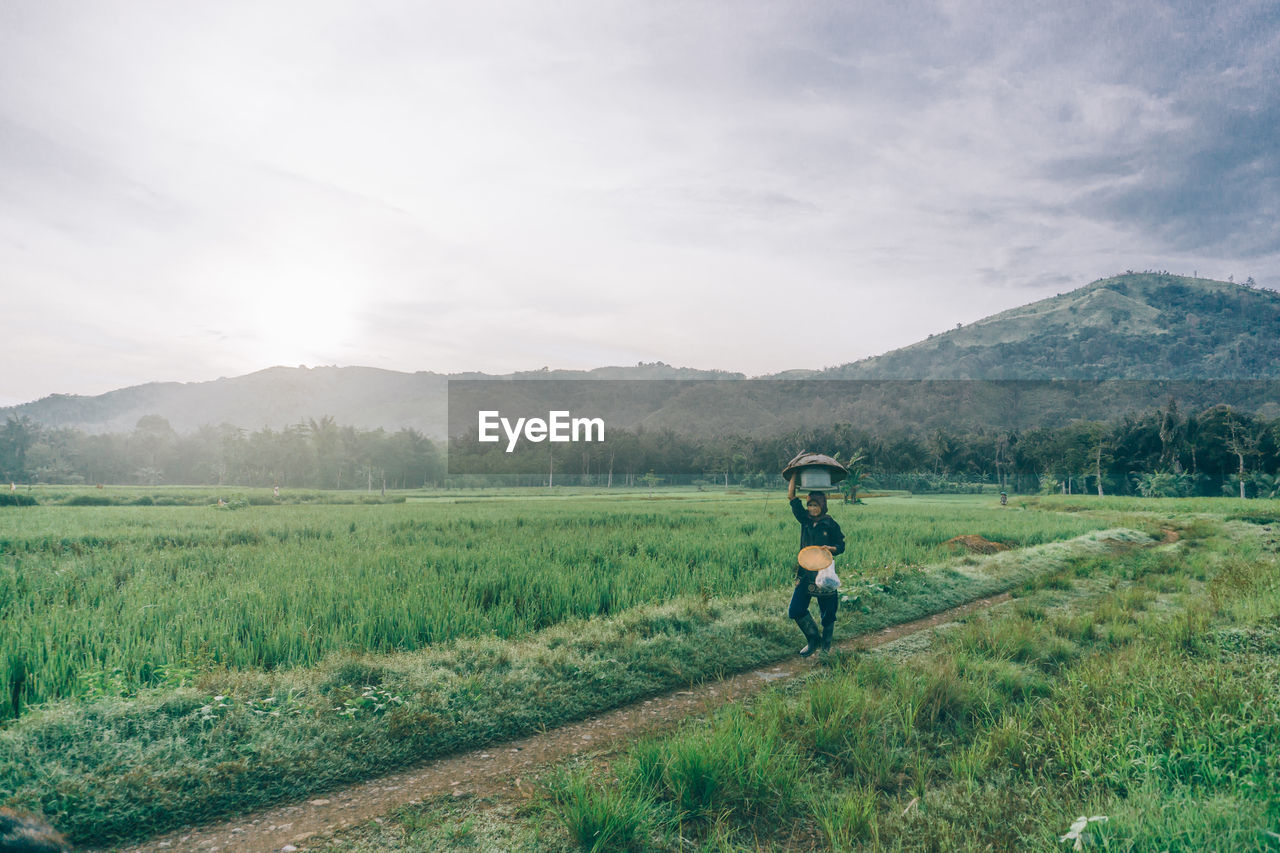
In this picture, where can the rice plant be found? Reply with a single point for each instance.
(142, 596)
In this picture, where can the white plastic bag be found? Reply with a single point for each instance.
(828, 581)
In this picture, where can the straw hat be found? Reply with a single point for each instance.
(814, 558)
(806, 460)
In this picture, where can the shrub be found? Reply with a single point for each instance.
(89, 500)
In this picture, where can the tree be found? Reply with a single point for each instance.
(1067, 454)
(151, 443)
(411, 459)
(1002, 458)
(231, 453)
(1172, 431)
(295, 457)
(942, 450)
(1268, 485)
(16, 437)
(1099, 441)
(49, 460)
(326, 438)
(857, 470)
(1163, 484)
(651, 480)
(1241, 442)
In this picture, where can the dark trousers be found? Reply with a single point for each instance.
(827, 604)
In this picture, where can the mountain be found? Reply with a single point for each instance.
(1135, 326)
(277, 397)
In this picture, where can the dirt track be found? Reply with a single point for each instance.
(502, 769)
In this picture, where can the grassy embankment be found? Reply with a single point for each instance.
(1139, 686)
(210, 661)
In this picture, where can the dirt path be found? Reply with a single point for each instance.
(502, 768)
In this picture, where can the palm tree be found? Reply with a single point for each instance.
(856, 472)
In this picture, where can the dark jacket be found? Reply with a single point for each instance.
(822, 530)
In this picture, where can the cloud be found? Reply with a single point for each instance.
(1213, 190)
(501, 185)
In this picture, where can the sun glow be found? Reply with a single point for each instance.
(304, 318)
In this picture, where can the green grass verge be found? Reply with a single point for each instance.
(124, 769)
(1140, 688)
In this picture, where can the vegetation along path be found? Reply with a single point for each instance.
(1126, 703)
(504, 769)
(171, 667)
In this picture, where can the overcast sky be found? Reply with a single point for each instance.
(191, 190)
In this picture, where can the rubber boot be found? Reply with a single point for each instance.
(828, 629)
(811, 633)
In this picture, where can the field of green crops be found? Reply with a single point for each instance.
(1125, 704)
(170, 662)
(165, 664)
(110, 599)
(1121, 701)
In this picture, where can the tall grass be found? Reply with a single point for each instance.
(240, 738)
(598, 818)
(107, 600)
(1092, 701)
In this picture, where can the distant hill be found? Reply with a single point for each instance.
(277, 397)
(1134, 326)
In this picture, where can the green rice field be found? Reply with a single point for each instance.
(171, 664)
(118, 598)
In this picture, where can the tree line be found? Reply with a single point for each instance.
(1160, 452)
(315, 454)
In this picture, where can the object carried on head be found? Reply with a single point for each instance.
(816, 472)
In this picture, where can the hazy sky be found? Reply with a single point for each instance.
(191, 190)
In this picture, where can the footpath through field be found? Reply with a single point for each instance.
(503, 769)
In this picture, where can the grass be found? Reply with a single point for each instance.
(234, 497)
(1164, 719)
(108, 600)
(740, 768)
(238, 734)
(598, 818)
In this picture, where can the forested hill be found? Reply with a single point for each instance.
(1137, 326)
(1134, 326)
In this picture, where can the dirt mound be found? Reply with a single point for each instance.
(977, 544)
